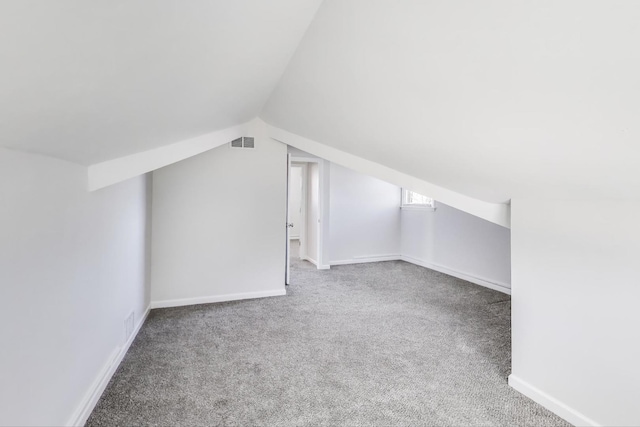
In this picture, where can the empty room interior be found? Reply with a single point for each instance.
(319, 212)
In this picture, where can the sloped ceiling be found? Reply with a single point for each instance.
(89, 81)
(493, 99)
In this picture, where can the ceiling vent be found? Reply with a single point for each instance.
(244, 142)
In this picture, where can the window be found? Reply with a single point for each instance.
(413, 200)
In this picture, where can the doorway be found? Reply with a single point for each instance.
(296, 213)
(295, 200)
(307, 210)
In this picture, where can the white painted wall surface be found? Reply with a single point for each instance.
(364, 218)
(295, 201)
(73, 265)
(325, 209)
(313, 204)
(575, 316)
(457, 242)
(219, 225)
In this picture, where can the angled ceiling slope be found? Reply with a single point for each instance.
(494, 99)
(90, 81)
(107, 173)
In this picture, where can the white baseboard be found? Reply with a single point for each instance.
(217, 298)
(314, 262)
(81, 414)
(501, 287)
(496, 286)
(551, 403)
(365, 259)
(311, 260)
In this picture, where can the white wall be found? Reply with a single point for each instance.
(575, 316)
(219, 225)
(458, 243)
(367, 224)
(73, 265)
(313, 213)
(364, 217)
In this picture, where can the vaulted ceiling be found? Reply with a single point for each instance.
(89, 81)
(493, 99)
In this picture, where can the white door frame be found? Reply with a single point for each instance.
(323, 209)
(287, 272)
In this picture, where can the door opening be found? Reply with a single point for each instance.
(306, 210)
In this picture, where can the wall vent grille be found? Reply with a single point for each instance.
(128, 326)
(244, 142)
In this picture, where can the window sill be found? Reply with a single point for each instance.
(418, 208)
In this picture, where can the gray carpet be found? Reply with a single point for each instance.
(370, 344)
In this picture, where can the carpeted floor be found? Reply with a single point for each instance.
(370, 344)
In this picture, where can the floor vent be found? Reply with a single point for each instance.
(244, 142)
